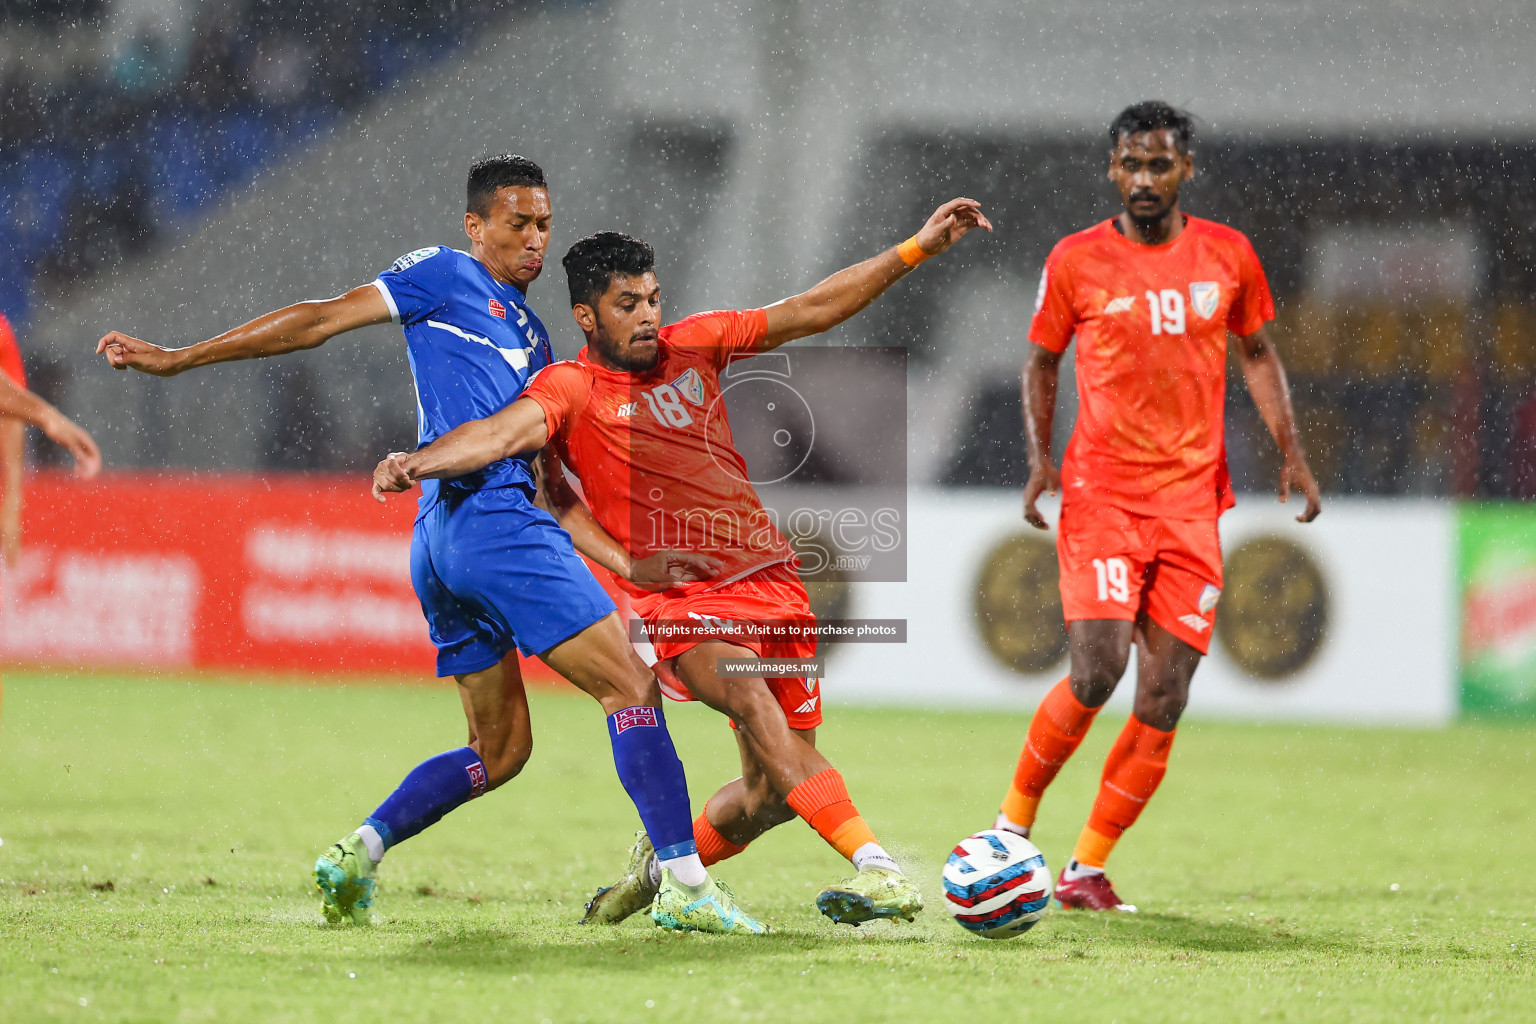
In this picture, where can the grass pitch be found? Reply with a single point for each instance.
(158, 837)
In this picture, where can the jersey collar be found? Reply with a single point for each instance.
(1112, 227)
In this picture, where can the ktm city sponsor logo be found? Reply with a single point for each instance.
(477, 779)
(498, 310)
(629, 718)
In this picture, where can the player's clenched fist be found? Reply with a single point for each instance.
(123, 353)
(390, 476)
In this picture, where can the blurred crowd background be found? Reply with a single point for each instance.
(121, 121)
(152, 152)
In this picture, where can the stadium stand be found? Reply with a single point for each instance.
(163, 111)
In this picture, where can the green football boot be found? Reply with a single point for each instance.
(630, 894)
(344, 876)
(871, 895)
(709, 907)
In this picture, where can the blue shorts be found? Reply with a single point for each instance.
(494, 571)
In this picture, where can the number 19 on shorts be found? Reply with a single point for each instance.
(1114, 579)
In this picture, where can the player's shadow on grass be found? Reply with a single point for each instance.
(1175, 931)
(641, 949)
(609, 949)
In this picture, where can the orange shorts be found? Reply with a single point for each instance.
(773, 595)
(1119, 565)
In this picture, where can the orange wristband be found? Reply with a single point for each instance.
(911, 253)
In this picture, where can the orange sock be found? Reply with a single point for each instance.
(822, 800)
(1135, 766)
(713, 847)
(1060, 723)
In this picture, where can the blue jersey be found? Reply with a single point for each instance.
(473, 343)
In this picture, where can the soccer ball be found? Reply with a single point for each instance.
(996, 884)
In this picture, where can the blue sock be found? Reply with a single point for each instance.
(431, 790)
(653, 777)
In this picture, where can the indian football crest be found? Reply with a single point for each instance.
(1205, 296)
(1208, 598)
(691, 385)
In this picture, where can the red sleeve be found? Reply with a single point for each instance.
(10, 355)
(1055, 317)
(723, 334)
(562, 390)
(1253, 306)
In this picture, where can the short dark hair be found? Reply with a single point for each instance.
(593, 262)
(1151, 116)
(490, 173)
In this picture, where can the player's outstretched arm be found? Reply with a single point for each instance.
(1265, 375)
(1040, 379)
(13, 433)
(659, 571)
(851, 289)
(60, 429)
(290, 329)
(518, 428)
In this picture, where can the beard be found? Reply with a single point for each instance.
(634, 360)
(1147, 220)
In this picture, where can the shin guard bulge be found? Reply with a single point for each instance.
(1132, 772)
(1057, 728)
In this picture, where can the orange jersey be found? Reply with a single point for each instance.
(1151, 324)
(10, 355)
(654, 452)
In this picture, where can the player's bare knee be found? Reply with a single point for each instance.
(1160, 715)
(630, 684)
(1095, 678)
(1160, 701)
(505, 761)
